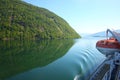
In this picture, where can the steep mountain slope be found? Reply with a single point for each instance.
(20, 20)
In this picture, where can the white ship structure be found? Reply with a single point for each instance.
(110, 68)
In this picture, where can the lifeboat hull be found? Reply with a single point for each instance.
(107, 51)
(108, 47)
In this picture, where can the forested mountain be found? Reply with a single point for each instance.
(20, 20)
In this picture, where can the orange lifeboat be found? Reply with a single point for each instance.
(110, 45)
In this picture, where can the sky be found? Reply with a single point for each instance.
(85, 16)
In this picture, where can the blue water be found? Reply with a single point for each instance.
(77, 63)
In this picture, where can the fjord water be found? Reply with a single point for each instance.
(73, 59)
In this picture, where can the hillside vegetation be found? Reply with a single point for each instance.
(20, 20)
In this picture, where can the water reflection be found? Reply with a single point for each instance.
(44, 60)
(21, 56)
(89, 58)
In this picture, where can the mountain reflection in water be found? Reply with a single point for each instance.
(20, 56)
(49, 59)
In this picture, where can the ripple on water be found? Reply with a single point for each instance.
(77, 64)
(87, 57)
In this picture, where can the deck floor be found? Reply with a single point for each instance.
(102, 70)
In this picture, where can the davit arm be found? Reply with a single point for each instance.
(114, 34)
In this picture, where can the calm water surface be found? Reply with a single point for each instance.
(49, 59)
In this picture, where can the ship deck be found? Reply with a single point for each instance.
(103, 69)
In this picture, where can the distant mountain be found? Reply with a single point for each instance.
(102, 34)
(99, 34)
(20, 20)
(84, 34)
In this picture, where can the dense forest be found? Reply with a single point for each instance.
(20, 20)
